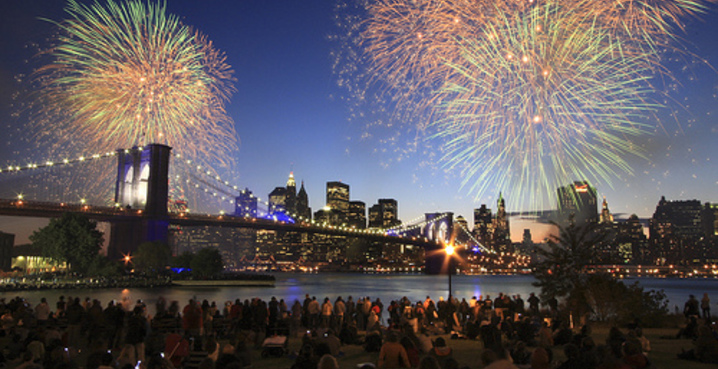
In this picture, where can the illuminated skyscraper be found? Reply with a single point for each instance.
(384, 214)
(245, 205)
(577, 203)
(278, 201)
(502, 233)
(291, 195)
(675, 229)
(483, 225)
(338, 197)
(606, 216)
(357, 214)
(389, 213)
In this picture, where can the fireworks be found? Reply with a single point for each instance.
(521, 94)
(127, 74)
(538, 103)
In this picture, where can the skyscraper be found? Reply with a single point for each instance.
(302, 206)
(384, 214)
(483, 225)
(245, 205)
(502, 233)
(675, 228)
(338, 197)
(291, 195)
(606, 216)
(375, 219)
(389, 213)
(357, 215)
(278, 201)
(577, 203)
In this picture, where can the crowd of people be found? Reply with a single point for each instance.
(75, 333)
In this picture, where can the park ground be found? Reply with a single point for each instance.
(467, 352)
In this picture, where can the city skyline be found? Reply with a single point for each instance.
(290, 115)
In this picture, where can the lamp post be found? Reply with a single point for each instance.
(449, 249)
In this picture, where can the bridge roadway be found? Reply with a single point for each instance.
(40, 209)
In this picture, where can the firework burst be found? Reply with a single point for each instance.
(127, 74)
(540, 102)
(519, 94)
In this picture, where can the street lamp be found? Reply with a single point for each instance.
(449, 250)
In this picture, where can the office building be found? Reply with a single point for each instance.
(338, 198)
(290, 193)
(384, 214)
(357, 215)
(245, 205)
(483, 225)
(675, 229)
(577, 204)
(302, 206)
(502, 233)
(278, 201)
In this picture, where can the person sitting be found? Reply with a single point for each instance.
(328, 362)
(573, 357)
(392, 353)
(541, 358)
(440, 351)
(490, 359)
(705, 347)
(633, 356)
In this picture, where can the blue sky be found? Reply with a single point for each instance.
(289, 114)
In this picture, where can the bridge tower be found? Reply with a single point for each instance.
(142, 184)
(439, 227)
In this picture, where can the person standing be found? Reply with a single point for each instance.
(192, 318)
(42, 312)
(75, 317)
(706, 307)
(314, 310)
(533, 304)
(691, 307)
(326, 312)
(136, 332)
(339, 311)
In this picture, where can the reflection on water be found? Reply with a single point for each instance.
(292, 287)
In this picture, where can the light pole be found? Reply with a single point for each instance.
(449, 249)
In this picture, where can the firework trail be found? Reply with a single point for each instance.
(518, 94)
(127, 74)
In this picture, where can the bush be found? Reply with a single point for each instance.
(607, 299)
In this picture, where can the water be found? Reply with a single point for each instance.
(292, 287)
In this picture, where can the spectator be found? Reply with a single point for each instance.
(392, 354)
(328, 362)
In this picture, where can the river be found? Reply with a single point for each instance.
(291, 286)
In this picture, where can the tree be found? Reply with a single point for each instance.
(565, 262)
(183, 260)
(104, 267)
(152, 257)
(72, 238)
(563, 273)
(207, 262)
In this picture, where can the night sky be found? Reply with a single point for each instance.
(290, 116)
